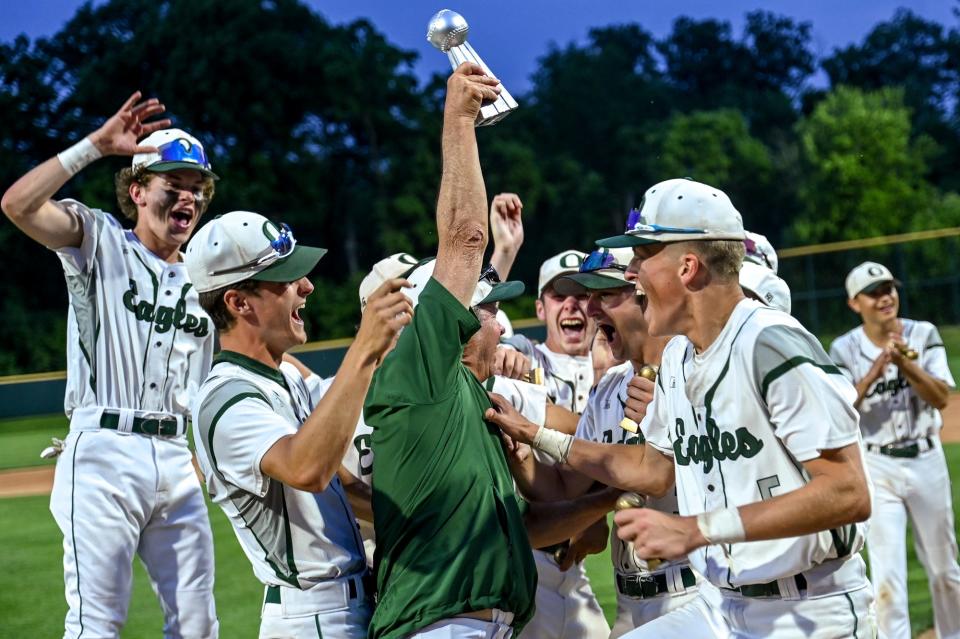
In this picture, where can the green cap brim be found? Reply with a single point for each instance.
(624, 241)
(292, 268)
(504, 291)
(579, 283)
(870, 288)
(166, 167)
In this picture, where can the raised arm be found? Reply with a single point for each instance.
(642, 469)
(28, 202)
(462, 203)
(506, 226)
(309, 459)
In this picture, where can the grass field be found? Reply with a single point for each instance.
(31, 591)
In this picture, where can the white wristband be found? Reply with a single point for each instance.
(79, 156)
(722, 526)
(553, 443)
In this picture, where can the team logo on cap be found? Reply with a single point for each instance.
(873, 270)
(571, 260)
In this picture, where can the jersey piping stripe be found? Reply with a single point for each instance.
(316, 622)
(288, 535)
(853, 612)
(73, 534)
(146, 351)
(793, 362)
(173, 338)
(213, 460)
(216, 418)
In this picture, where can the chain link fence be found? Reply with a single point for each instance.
(927, 265)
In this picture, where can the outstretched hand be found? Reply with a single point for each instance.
(119, 134)
(510, 421)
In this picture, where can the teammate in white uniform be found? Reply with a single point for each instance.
(899, 399)
(566, 605)
(138, 346)
(643, 592)
(269, 454)
(754, 426)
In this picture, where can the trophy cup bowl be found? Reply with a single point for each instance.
(447, 31)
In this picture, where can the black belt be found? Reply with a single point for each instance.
(166, 426)
(905, 449)
(273, 592)
(646, 586)
(771, 589)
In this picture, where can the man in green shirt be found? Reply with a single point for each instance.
(452, 550)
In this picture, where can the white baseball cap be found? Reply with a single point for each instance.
(760, 251)
(680, 210)
(602, 269)
(386, 269)
(766, 286)
(176, 149)
(489, 289)
(867, 277)
(560, 264)
(241, 245)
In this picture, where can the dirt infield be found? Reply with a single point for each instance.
(39, 481)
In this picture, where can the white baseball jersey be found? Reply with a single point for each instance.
(292, 537)
(138, 346)
(892, 411)
(739, 419)
(600, 422)
(568, 378)
(136, 335)
(915, 487)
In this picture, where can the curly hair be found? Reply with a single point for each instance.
(128, 175)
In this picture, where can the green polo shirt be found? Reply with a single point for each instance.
(450, 532)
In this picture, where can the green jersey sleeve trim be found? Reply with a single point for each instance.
(781, 348)
(789, 365)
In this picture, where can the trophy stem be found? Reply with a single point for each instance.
(499, 108)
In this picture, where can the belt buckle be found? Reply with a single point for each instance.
(163, 426)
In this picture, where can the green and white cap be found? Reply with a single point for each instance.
(601, 270)
(241, 245)
(489, 288)
(866, 277)
(386, 269)
(560, 264)
(680, 210)
(176, 149)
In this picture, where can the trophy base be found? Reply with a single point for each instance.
(492, 112)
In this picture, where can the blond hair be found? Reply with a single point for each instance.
(723, 258)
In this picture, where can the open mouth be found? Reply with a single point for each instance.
(608, 331)
(572, 327)
(296, 314)
(181, 219)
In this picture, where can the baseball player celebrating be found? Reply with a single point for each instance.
(899, 367)
(752, 423)
(269, 455)
(566, 604)
(138, 346)
(645, 590)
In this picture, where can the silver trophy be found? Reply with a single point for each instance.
(447, 31)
